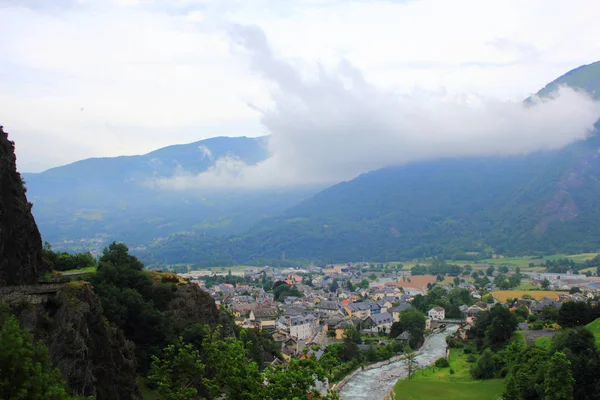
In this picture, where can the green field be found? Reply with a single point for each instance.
(438, 383)
(544, 342)
(594, 327)
(80, 271)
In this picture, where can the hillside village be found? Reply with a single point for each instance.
(318, 304)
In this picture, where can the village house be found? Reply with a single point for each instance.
(378, 322)
(303, 327)
(437, 314)
(327, 307)
(265, 317)
(360, 310)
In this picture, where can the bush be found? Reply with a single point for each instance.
(532, 318)
(442, 363)
(469, 349)
(536, 326)
(471, 358)
(451, 371)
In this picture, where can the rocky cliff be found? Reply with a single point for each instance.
(20, 242)
(93, 357)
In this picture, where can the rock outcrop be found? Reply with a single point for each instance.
(21, 259)
(93, 357)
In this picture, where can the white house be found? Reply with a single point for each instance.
(303, 327)
(437, 313)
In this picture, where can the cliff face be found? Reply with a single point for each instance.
(94, 358)
(20, 242)
(193, 305)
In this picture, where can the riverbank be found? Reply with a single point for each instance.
(374, 383)
(453, 382)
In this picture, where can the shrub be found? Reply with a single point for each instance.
(471, 358)
(442, 363)
(536, 326)
(451, 371)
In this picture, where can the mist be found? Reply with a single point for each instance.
(329, 124)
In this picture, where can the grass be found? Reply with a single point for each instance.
(502, 295)
(544, 342)
(147, 393)
(85, 270)
(594, 327)
(437, 383)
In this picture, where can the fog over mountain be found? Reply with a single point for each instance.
(333, 124)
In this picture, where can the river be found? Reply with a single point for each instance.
(376, 382)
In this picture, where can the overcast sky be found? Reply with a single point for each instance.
(395, 80)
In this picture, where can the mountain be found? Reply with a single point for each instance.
(544, 202)
(586, 77)
(104, 199)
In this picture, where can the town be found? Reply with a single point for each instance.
(307, 309)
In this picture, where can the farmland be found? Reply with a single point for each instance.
(502, 295)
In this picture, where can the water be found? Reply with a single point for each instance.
(375, 383)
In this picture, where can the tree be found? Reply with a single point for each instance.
(494, 328)
(545, 284)
(364, 284)
(411, 362)
(372, 276)
(558, 380)
(485, 367)
(512, 391)
(490, 270)
(179, 374)
(349, 286)
(574, 313)
(413, 321)
(334, 286)
(25, 369)
(296, 380)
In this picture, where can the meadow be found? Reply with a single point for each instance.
(502, 295)
(438, 383)
(594, 327)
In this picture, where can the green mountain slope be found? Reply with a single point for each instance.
(586, 77)
(113, 198)
(544, 202)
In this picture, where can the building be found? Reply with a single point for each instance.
(378, 322)
(327, 307)
(265, 317)
(437, 313)
(360, 310)
(303, 327)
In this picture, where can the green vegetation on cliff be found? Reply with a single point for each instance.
(25, 368)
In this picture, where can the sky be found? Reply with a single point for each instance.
(342, 87)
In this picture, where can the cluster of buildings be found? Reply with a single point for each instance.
(323, 312)
(567, 281)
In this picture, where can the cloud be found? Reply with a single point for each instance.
(151, 73)
(329, 125)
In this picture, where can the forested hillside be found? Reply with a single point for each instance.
(543, 202)
(120, 199)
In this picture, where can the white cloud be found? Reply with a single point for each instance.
(150, 73)
(336, 125)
